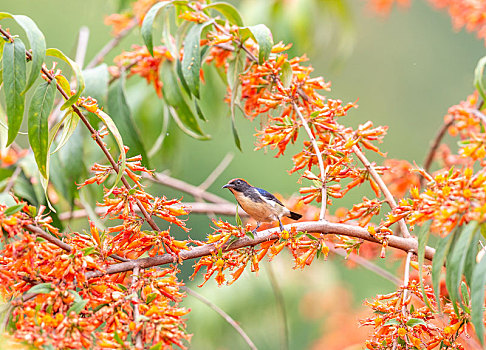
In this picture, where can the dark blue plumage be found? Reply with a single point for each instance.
(261, 205)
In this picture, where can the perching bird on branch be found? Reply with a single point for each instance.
(259, 204)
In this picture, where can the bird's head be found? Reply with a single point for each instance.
(238, 185)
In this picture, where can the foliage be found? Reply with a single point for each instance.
(106, 287)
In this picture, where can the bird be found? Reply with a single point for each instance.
(259, 204)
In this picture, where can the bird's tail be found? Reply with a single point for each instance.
(294, 215)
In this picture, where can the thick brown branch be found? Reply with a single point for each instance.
(405, 244)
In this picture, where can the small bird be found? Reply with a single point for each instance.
(259, 204)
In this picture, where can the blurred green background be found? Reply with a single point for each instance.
(405, 69)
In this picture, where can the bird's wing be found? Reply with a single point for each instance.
(267, 196)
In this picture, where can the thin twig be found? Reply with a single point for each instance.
(406, 278)
(180, 185)
(136, 312)
(277, 291)
(319, 159)
(325, 227)
(228, 209)
(366, 264)
(386, 192)
(11, 181)
(223, 314)
(82, 46)
(217, 171)
(433, 149)
(111, 45)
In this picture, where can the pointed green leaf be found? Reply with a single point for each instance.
(14, 75)
(455, 263)
(70, 125)
(438, 261)
(286, 74)
(423, 237)
(470, 261)
(477, 298)
(415, 322)
(235, 68)
(39, 110)
(199, 112)
(77, 307)
(122, 116)
(77, 72)
(263, 37)
(180, 111)
(237, 218)
(37, 44)
(41, 288)
(13, 209)
(191, 62)
(117, 338)
(228, 11)
(478, 77)
(148, 22)
(157, 346)
(465, 297)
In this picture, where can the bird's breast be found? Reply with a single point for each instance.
(260, 211)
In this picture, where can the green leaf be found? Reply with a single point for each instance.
(438, 261)
(415, 322)
(263, 37)
(14, 75)
(286, 74)
(77, 297)
(470, 261)
(148, 22)
(122, 116)
(77, 72)
(199, 112)
(228, 11)
(455, 263)
(235, 68)
(39, 110)
(157, 346)
(465, 297)
(70, 124)
(423, 237)
(77, 307)
(96, 80)
(117, 338)
(191, 61)
(477, 298)
(391, 322)
(41, 288)
(110, 124)
(151, 297)
(13, 209)
(180, 111)
(237, 218)
(37, 44)
(478, 77)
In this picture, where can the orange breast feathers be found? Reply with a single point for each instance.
(264, 211)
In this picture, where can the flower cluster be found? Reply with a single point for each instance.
(415, 328)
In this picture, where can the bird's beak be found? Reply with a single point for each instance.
(227, 186)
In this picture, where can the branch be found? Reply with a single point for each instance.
(386, 192)
(405, 244)
(223, 314)
(180, 185)
(323, 171)
(227, 209)
(433, 149)
(110, 45)
(94, 135)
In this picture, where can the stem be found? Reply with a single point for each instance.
(433, 149)
(223, 314)
(277, 291)
(323, 170)
(136, 312)
(406, 278)
(386, 192)
(110, 45)
(324, 227)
